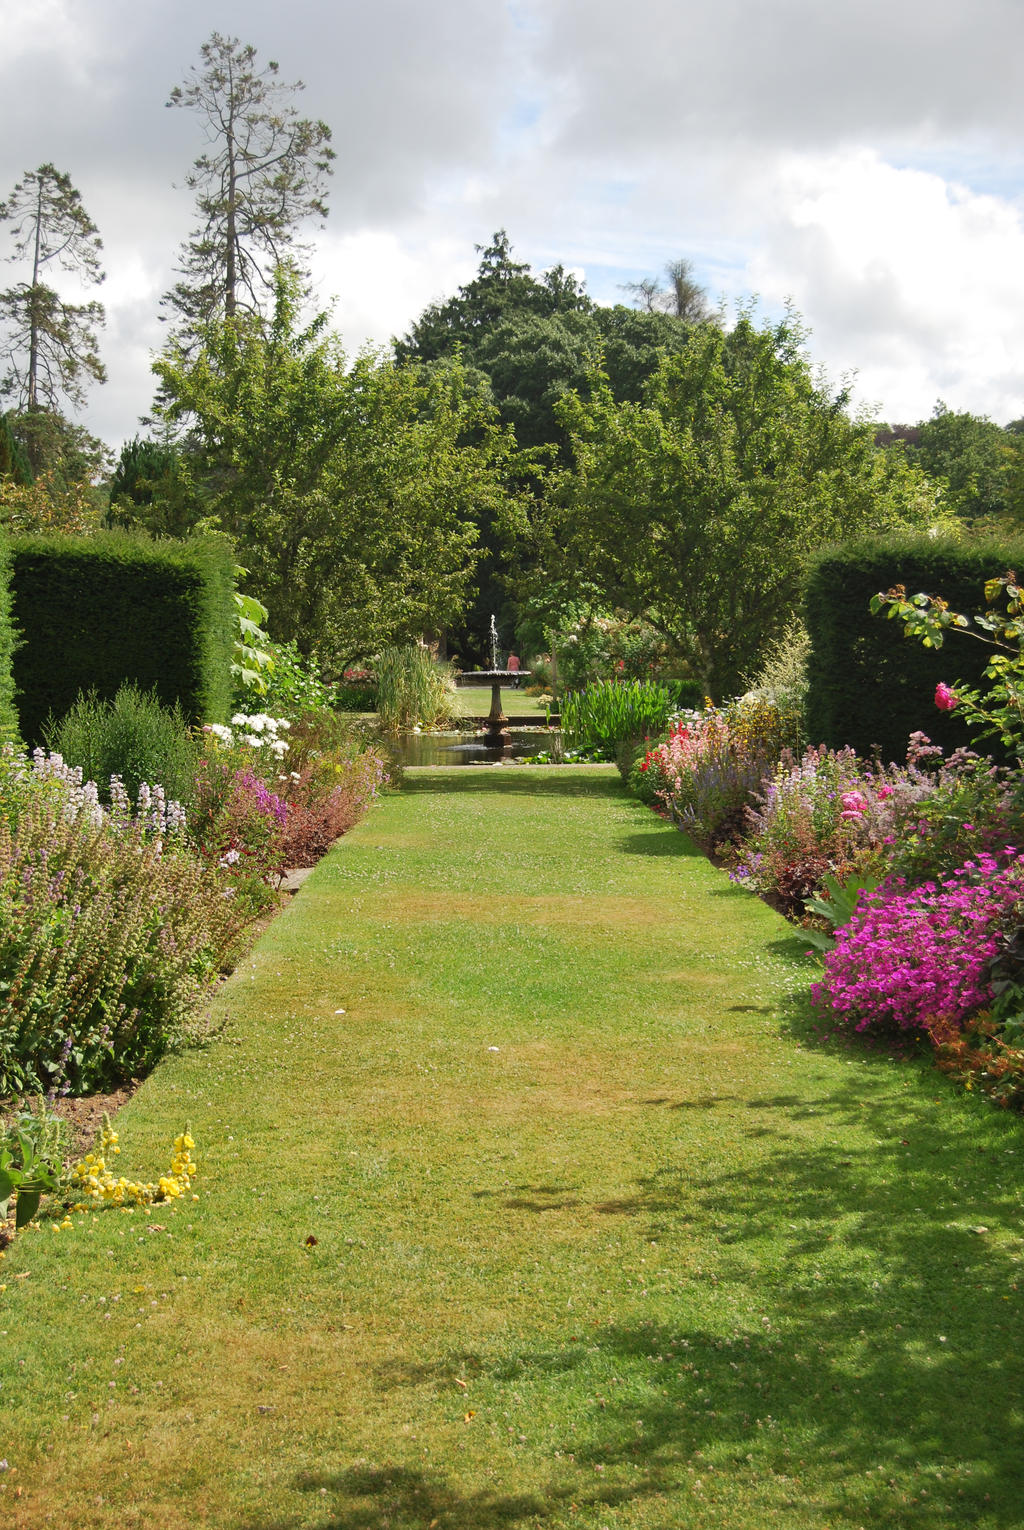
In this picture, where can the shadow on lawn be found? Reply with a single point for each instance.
(872, 1344)
(404, 1499)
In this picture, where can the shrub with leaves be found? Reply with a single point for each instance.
(236, 824)
(825, 814)
(703, 776)
(109, 943)
(608, 713)
(325, 799)
(290, 685)
(132, 737)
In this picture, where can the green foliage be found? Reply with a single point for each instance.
(131, 736)
(353, 494)
(253, 663)
(14, 464)
(106, 959)
(50, 343)
(612, 712)
(66, 454)
(32, 1147)
(152, 490)
(698, 507)
(502, 289)
(292, 685)
(867, 686)
(838, 905)
(998, 711)
(977, 462)
(8, 644)
(96, 612)
(413, 689)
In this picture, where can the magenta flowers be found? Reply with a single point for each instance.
(919, 958)
(945, 699)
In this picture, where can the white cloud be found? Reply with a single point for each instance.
(861, 156)
(912, 279)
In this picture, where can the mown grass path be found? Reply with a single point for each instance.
(529, 1199)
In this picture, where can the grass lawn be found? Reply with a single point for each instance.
(569, 1219)
(475, 701)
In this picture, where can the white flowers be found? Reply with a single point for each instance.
(153, 813)
(258, 731)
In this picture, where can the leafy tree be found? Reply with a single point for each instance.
(263, 174)
(56, 447)
(152, 488)
(354, 494)
(14, 465)
(49, 343)
(503, 289)
(976, 460)
(696, 507)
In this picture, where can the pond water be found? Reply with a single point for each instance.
(468, 749)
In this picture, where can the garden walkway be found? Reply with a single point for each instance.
(529, 1197)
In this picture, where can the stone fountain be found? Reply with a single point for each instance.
(495, 733)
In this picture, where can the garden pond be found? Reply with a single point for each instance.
(469, 749)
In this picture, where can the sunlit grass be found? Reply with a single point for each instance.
(568, 1219)
(475, 701)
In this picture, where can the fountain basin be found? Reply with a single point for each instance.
(495, 733)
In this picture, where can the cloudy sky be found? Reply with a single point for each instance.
(862, 158)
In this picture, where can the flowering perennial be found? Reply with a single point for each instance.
(918, 958)
(96, 1184)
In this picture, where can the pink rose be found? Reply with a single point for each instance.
(945, 699)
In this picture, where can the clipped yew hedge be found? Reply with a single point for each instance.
(8, 643)
(94, 612)
(869, 685)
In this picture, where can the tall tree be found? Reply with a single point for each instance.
(696, 508)
(354, 493)
(263, 174)
(49, 343)
(503, 289)
(976, 460)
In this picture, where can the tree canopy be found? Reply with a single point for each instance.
(696, 507)
(354, 494)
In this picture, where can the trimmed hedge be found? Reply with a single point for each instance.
(97, 611)
(8, 644)
(869, 685)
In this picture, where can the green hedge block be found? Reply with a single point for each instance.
(8, 644)
(96, 611)
(869, 685)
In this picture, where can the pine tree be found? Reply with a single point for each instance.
(263, 174)
(49, 344)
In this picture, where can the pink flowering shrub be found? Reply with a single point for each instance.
(919, 958)
(237, 823)
(825, 814)
(704, 774)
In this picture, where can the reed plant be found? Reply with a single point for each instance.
(609, 713)
(414, 690)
